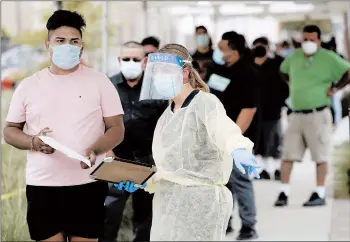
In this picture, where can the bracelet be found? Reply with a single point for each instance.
(32, 143)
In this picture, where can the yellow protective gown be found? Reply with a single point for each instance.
(192, 151)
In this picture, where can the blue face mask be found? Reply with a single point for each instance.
(65, 56)
(202, 40)
(287, 52)
(218, 57)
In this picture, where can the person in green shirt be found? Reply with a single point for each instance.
(310, 72)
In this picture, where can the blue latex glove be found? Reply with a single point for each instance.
(243, 158)
(129, 186)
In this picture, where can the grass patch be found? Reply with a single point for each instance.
(13, 217)
(341, 165)
(13, 224)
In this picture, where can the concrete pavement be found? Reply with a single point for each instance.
(292, 223)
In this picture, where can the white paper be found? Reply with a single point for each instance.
(218, 83)
(65, 150)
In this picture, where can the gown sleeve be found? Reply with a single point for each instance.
(223, 132)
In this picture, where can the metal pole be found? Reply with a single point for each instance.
(59, 5)
(216, 17)
(145, 13)
(105, 37)
(18, 18)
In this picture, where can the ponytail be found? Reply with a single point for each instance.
(196, 81)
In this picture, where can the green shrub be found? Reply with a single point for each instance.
(341, 165)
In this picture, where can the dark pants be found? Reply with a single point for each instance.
(242, 189)
(271, 138)
(142, 216)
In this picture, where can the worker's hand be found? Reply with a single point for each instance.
(243, 158)
(91, 156)
(129, 186)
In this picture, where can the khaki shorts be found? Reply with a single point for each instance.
(313, 131)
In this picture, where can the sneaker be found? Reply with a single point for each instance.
(282, 200)
(277, 175)
(315, 200)
(229, 227)
(247, 233)
(264, 175)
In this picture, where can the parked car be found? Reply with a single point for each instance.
(23, 57)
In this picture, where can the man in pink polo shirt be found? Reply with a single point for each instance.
(78, 107)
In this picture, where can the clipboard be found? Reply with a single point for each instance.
(115, 170)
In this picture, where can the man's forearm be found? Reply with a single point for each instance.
(245, 118)
(343, 81)
(17, 138)
(113, 137)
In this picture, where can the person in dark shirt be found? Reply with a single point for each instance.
(150, 44)
(273, 93)
(233, 80)
(140, 119)
(204, 52)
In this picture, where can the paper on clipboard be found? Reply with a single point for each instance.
(65, 150)
(218, 83)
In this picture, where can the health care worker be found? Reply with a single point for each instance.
(193, 146)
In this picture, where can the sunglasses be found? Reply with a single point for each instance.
(127, 59)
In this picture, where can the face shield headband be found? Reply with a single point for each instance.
(163, 76)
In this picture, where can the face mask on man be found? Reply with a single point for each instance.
(218, 57)
(130, 69)
(259, 51)
(309, 47)
(168, 86)
(66, 56)
(286, 52)
(202, 40)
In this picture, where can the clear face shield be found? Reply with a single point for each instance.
(163, 79)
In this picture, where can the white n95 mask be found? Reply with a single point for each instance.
(131, 69)
(168, 86)
(309, 47)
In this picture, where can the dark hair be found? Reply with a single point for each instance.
(66, 18)
(229, 35)
(151, 40)
(312, 29)
(296, 44)
(285, 44)
(330, 45)
(237, 43)
(201, 27)
(195, 65)
(261, 40)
